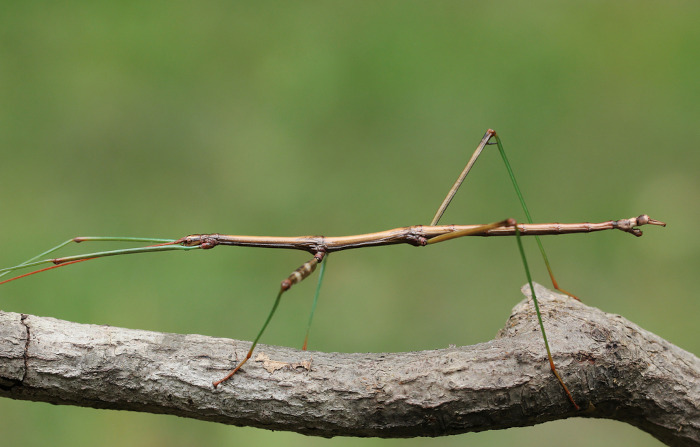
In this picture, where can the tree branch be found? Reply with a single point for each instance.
(614, 369)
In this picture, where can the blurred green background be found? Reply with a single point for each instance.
(163, 119)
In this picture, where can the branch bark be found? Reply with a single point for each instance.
(614, 369)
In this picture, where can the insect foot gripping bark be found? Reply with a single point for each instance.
(296, 277)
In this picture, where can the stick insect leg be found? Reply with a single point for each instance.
(476, 230)
(297, 276)
(31, 261)
(39, 256)
(159, 245)
(484, 142)
(527, 214)
(446, 202)
(539, 317)
(313, 305)
(512, 223)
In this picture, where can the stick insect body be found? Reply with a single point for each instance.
(320, 247)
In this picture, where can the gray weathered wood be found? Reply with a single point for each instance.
(614, 369)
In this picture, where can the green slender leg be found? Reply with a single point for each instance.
(446, 202)
(527, 214)
(313, 305)
(255, 342)
(539, 317)
(297, 276)
(161, 245)
(484, 142)
(28, 262)
(99, 254)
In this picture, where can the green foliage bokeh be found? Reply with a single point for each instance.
(281, 118)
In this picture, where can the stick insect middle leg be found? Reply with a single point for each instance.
(313, 305)
(296, 277)
(321, 257)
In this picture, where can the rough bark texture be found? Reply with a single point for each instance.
(614, 369)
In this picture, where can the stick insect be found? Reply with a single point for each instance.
(320, 247)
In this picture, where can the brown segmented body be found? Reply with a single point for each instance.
(417, 235)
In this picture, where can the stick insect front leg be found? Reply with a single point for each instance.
(158, 244)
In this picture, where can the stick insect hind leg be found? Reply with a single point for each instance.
(486, 140)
